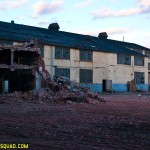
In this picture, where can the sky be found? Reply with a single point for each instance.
(119, 18)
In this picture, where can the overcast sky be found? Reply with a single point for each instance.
(128, 18)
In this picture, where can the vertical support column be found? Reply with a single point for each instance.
(6, 86)
(12, 57)
(52, 61)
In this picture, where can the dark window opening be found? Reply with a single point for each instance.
(25, 58)
(138, 61)
(62, 72)
(5, 57)
(86, 55)
(18, 80)
(86, 76)
(123, 59)
(139, 77)
(62, 53)
(148, 66)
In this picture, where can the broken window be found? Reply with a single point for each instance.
(62, 53)
(123, 59)
(86, 55)
(139, 77)
(138, 61)
(62, 72)
(86, 76)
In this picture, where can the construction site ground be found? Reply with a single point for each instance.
(122, 122)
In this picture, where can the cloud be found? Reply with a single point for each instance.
(144, 3)
(110, 31)
(107, 12)
(143, 7)
(2, 8)
(84, 3)
(5, 4)
(41, 7)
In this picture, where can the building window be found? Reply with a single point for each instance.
(86, 76)
(62, 53)
(62, 72)
(139, 77)
(6, 42)
(147, 53)
(86, 55)
(138, 61)
(41, 46)
(123, 59)
(148, 66)
(140, 51)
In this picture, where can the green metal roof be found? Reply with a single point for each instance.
(22, 33)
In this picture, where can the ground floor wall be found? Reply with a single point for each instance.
(115, 87)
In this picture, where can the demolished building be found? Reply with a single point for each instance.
(95, 62)
(18, 64)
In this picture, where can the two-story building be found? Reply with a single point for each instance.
(95, 62)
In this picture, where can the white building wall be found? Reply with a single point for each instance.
(104, 66)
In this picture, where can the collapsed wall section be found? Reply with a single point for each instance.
(17, 66)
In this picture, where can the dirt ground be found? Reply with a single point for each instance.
(122, 122)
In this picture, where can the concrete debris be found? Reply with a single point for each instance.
(63, 95)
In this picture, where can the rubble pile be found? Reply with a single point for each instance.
(61, 90)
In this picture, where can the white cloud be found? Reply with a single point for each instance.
(42, 7)
(144, 3)
(107, 12)
(84, 3)
(5, 4)
(143, 7)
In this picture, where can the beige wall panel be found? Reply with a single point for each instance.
(99, 74)
(99, 59)
(124, 74)
(74, 74)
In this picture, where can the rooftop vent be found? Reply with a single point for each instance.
(103, 35)
(12, 21)
(54, 26)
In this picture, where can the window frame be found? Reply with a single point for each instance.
(86, 55)
(62, 53)
(139, 77)
(147, 53)
(62, 71)
(139, 61)
(86, 76)
(148, 66)
(122, 59)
